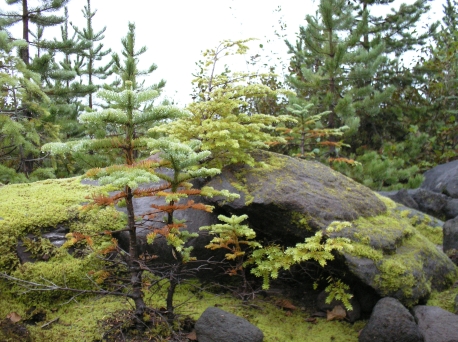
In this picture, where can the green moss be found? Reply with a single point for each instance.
(243, 189)
(398, 270)
(63, 270)
(99, 219)
(44, 204)
(388, 229)
(389, 203)
(364, 251)
(444, 300)
(301, 220)
(29, 208)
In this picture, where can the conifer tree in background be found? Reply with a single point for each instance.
(20, 95)
(438, 87)
(27, 15)
(219, 116)
(324, 56)
(90, 57)
(36, 15)
(67, 90)
(398, 32)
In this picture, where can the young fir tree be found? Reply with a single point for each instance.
(308, 135)
(128, 69)
(20, 95)
(90, 57)
(126, 116)
(219, 116)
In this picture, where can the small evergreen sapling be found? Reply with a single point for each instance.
(236, 238)
(309, 131)
(184, 161)
(267, 262)
(124, 117)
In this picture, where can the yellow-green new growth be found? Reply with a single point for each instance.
(232, 235)
(217, 117)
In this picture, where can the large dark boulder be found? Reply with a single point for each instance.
(390, 322)
(291, 198)
(443, 179)
(216, 325)
(436, 324)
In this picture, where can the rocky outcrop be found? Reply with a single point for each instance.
(436, 324)
(391, 322)
(216, 325)
(435, 204)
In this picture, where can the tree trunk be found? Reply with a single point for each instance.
(134, 262)
(25, 32)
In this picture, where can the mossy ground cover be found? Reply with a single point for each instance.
(82, 319)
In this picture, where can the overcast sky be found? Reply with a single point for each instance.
(176, 31)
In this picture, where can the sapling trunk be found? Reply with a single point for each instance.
(134, 262)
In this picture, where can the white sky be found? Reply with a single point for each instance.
(176, 31)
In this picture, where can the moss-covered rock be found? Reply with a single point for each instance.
(393, 256)
(394, 250)
(292, 198)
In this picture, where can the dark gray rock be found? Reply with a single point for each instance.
(430, 202)
(408, 267)
(418, 217)
(443, 179)
(402, 197)
(216, 325)
(451, 208)
(390, 322)
(352, 315)
(55, 235)
(436, 324)
(450, 235)
(456, 304)
(293, 198)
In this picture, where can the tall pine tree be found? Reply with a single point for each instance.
(331, 68)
